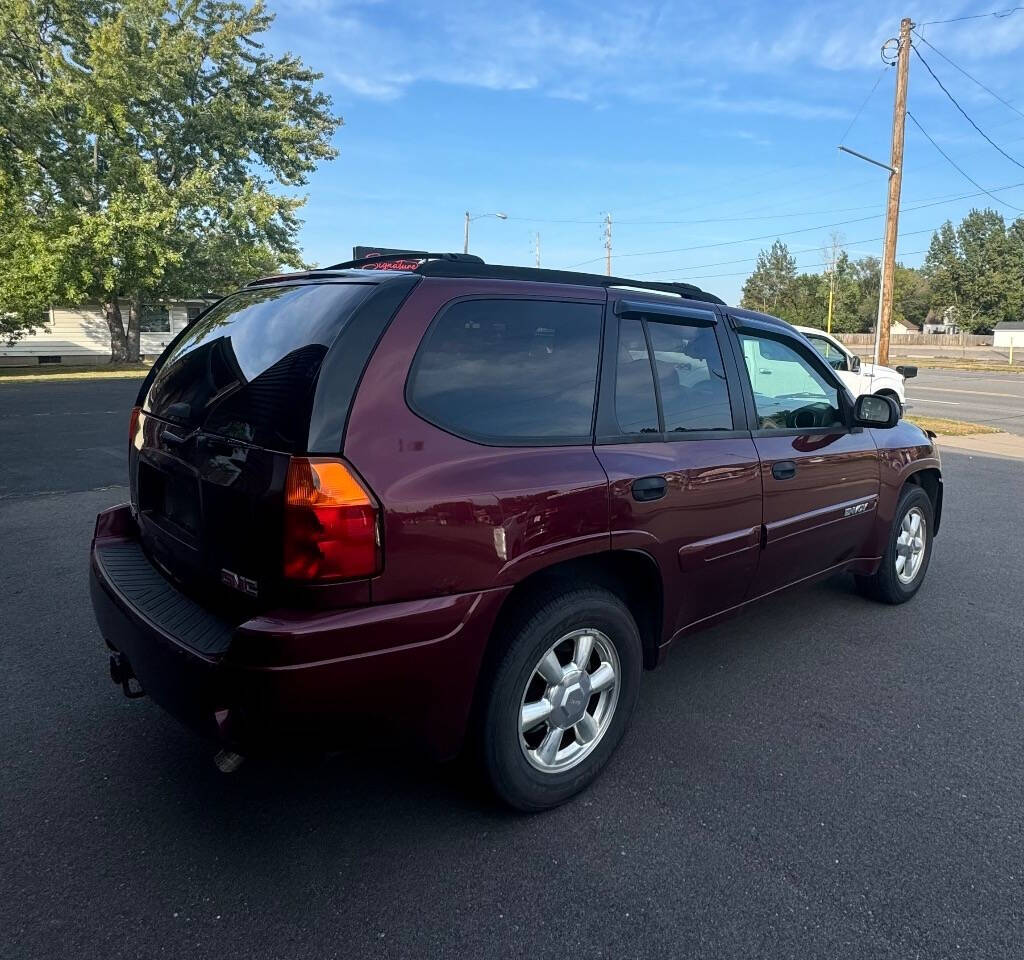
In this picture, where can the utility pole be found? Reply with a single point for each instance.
(892, 214)
(465, 241)
(536, 249)
(608, 244)
(833, 257)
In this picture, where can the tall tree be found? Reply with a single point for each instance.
(976, 271)
(771, 280)
(141, 142)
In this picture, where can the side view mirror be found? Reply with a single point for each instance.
(871, 410)
(907, 372)
(855, 364)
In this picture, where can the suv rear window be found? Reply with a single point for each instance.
(510, 371)
(247, 368)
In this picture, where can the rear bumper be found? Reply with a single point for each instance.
(324, 677)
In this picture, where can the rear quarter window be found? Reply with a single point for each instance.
(510, 371)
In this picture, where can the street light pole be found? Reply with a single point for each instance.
(469, 219)
(882, 270)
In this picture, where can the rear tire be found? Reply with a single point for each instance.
(561, 697)
(905, 562)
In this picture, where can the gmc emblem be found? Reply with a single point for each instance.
(239, 583)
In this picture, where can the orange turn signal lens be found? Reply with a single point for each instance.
(331, 527)
(322, 482)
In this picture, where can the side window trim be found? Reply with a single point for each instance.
(639, 309)
(654, 375)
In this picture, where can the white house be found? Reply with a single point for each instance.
(1008, 333)
(79, 335)
(904, 326)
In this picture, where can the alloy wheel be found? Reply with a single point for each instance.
(910, 545)
(569, 700)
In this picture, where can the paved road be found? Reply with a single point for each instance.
(827, 778)
(992, 398)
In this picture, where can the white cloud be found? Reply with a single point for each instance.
(648, 52)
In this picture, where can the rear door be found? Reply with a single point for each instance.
(683, 471)
(221, 417)
(820, 477)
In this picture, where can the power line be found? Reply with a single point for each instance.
(723, 263)
(963, 111)
(957, 66)
(957, 167)
(998, 14)
(860, 110)
(741, 219)
(823, 226)
(805, 268)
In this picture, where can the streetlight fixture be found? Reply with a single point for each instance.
(881, 263)
(479, 216)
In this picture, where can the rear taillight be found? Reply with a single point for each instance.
(331, 529)
(133, 427)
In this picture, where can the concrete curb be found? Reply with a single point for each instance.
(990, 444)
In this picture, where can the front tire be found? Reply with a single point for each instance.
(893, 396)
(905, 563)
(561, 698)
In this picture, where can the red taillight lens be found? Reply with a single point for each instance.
(330, 523)
(133, 427)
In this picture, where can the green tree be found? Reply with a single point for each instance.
(911, 295)
(769, 284)
(141, 142)
(976, 271)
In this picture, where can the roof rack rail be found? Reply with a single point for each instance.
(470, 266)
(460, 267)
(385, 261)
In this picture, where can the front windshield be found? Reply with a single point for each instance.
(831, 351)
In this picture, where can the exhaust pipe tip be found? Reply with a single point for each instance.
(227, 761)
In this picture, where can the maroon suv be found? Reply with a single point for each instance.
(475, 502)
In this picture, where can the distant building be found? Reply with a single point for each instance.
(905, 326)
(944, 323)
(79, 335)
(1008, 333)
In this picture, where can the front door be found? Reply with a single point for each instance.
(684, 481)
(820, 477)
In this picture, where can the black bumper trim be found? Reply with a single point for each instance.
(130, 573)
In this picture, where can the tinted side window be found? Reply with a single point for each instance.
(510, 370)
(691, 377)
(636, 408)
(788, 392)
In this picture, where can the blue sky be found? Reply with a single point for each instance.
(724, 116)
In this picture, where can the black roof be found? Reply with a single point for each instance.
(472, 267)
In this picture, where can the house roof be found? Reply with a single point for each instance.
(907, 323)
(1010, 325)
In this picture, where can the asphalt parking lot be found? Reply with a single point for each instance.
(823, 778)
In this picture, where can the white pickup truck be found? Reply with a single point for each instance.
(860, 377)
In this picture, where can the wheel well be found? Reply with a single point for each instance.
(929, 481)
(631, 575)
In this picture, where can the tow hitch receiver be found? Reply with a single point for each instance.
(121, 674)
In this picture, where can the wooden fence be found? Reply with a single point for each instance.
(918, 339)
